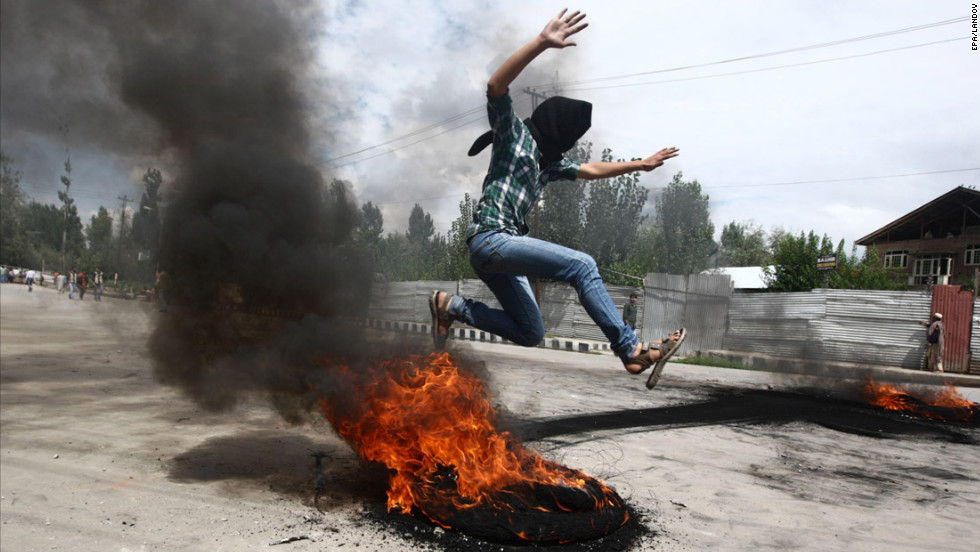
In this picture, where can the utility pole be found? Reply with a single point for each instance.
(122, 228)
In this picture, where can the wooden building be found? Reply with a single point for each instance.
(936, 244)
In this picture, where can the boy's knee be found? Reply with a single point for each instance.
(530, 340)
(530, 337)
(585, 265)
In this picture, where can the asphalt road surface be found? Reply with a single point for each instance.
(97, 456)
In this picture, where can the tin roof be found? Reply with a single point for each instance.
(950, 213)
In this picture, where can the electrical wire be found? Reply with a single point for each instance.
(763, 69)
(853, 179)
(571, 86)
(769, 54)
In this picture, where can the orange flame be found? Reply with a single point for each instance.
(947, 404)
(433, 425)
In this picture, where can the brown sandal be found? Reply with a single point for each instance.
(440, 314)
(667, 349)
(644, 358)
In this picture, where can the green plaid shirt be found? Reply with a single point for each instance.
(515, 180)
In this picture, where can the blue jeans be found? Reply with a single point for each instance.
(504, 262)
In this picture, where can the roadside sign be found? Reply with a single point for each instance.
(826, 262)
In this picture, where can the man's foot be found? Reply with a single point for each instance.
(642, 359)
(441, 319)
(649, 355)
(656, 356)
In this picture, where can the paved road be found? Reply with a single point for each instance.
(95, 455)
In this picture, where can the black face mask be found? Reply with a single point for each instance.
(556, 125)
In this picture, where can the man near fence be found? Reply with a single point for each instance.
(629, 312)
(527, 155)
(935, 340)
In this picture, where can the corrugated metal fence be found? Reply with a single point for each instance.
(698, 302)
(854, 326)
(863, 327)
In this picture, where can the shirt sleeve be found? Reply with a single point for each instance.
(566, 169)
(503, 120)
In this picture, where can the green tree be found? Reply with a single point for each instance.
(864, 271)
(45, 223)
(100, 246)
(394, 259)
(458, 250)
(340, 214)
(643, 257)
(684, 224)
(13, 241)
(370, 224)
(145, 229)
(744, 245)
(72, 238)
(613, 215)
(417, 254)
(795, 262)
(420, 226)
(795, 266)
(562, 208)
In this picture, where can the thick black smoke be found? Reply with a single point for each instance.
(254, 239)
(256, 244)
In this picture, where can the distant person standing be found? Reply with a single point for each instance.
(97, 282)
(29, 279)
(629, 312)
(59, 282)
(82, 285)
(935, 339)
(162, 287)
(72, 282)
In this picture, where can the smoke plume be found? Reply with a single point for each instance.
(254, 239)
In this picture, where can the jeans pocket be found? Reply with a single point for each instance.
(491, 261)
(484, 256)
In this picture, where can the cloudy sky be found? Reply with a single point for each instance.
(836, 117)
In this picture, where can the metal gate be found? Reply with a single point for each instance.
(956, 306)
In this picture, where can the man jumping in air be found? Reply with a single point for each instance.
(526, 156)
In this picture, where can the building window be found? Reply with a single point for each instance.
(932, 269)
(972, 256)
(897, 259)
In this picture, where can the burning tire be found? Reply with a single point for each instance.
(534, 513)
(432, 426)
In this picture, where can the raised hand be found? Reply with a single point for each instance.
(658, 158)
(557, 31)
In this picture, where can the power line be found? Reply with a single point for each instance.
(475, 110)
(853, 179)
(471, 120)
(413, 133)
(787, 66)
(770, 54)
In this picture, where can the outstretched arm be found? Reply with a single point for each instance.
(554, 35)
(609, 169)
